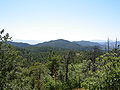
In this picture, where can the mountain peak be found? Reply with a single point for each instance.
(60, 43)
(61, 40)
(87, 43)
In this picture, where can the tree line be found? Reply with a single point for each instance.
(21, 69)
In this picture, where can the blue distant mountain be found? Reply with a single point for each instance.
(60, 43)
(19, 44)
(87, 43)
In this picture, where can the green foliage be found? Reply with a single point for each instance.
(107, 75)
(10, 62)
(48, 68)
(38, 72)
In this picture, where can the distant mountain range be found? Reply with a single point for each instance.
(87, 43)
(60, 43)
(65, 44)
(19, 44)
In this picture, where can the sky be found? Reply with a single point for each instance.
(74, 20)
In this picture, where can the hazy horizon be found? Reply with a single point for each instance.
(38, 41)
(73, 20)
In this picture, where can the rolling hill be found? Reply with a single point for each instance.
(19, 44)
(87, 43)
(60, 43)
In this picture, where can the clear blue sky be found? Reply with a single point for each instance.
(73, 20)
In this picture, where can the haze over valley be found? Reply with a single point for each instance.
(59, 44)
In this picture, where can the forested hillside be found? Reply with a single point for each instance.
(58, 45)
(57, 68)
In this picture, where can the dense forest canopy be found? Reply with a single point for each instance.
(52, 68)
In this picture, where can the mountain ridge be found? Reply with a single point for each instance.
(87, 43)
(59, 43)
